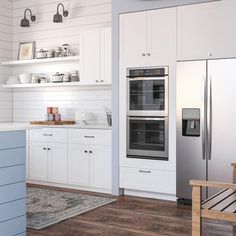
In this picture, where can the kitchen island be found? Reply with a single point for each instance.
(13, 179)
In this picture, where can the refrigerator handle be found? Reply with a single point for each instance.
(209, 120)
(204, 118)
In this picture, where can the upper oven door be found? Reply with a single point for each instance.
(148, 96)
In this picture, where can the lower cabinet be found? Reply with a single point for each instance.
(48, 162)
(89, 166)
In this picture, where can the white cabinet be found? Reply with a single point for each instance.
(206, 31)
(89, 158)
(95, 50)
(57, 163)
(100, 167)
(78, 165)
(48, 155)
(148, 38)
(38, 161)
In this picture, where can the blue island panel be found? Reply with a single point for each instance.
(12, 139)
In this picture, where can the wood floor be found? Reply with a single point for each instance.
(131, 216)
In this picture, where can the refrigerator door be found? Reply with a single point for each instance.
(191, 98)
(222, 120)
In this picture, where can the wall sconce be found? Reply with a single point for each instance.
(57, 18)
(25, 22)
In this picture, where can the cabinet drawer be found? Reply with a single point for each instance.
(12, 175)
(57, 135)
(12, 210)
(12, 192)
(148, 180)
(12, 157)
(88, 136)
(15, 226)
(12, 139)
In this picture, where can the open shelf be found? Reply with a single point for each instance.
(48, 85)
(39, 61)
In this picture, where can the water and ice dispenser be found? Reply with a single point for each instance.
(191, 122)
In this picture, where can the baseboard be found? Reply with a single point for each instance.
(67, 186)
(160, 196)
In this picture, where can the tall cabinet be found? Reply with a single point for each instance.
(95, 50)
(148, 38)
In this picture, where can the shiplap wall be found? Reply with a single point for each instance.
(5, 54)
(31, 104)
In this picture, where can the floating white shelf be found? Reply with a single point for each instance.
(48, 85)
(38, 61)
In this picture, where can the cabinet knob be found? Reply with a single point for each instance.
(49, 149)
(143, 54)
(102, 81)
(90, 152)
(85, 151)
(96, 81)
(44, 148)
(149, 54)
(209, 54)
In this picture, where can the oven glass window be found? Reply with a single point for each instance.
(147, 95)
(147, 135)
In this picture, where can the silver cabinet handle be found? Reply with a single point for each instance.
(87, 136)
(204, 118)
(48, 135)
(145, 171)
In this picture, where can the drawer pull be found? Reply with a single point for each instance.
(145, 171)
(50, 135)
(86, 136)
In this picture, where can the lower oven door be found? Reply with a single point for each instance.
(147, 138)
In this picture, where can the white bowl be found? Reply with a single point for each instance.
(25, 78)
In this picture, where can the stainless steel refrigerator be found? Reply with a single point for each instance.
(206, 122)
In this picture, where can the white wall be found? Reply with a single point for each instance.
(5, 54)
(31, 105)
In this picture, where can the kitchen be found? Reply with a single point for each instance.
(138, 82)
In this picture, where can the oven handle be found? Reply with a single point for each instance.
(140, 118)
(148, 78)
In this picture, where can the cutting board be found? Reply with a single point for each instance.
(63, 122)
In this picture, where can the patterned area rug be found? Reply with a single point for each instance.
(48, 207)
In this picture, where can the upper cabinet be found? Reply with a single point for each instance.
(206, 31)
(148, 38)
(95, 50)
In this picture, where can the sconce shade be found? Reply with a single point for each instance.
(57, 18)
(25, 23)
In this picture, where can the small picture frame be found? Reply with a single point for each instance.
(26, 51)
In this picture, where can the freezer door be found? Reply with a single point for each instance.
(222, 119)
(191, 85)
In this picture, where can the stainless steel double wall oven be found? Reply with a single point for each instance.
(147, 113)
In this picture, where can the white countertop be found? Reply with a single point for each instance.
(26, 126)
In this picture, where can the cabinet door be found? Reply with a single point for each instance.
(100, 167)
(78, 165)
(161, 36)
(205, 31)
(57, 163)
(133, 39)
(38, 161)
(106, 73)
(90, 56)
